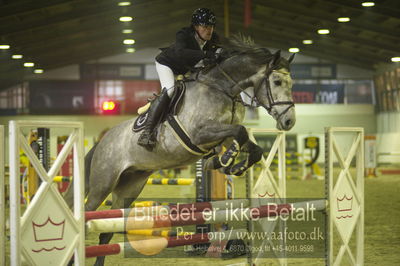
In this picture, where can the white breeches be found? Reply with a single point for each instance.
(167, 78)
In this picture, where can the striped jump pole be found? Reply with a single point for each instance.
(147, 203)
(167, 209)
(59, 179)
(202, 217)
(170, 181)
(157, 232)
(163, 242)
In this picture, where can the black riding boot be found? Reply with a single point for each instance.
(147, 138)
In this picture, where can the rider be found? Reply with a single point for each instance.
(192, 44)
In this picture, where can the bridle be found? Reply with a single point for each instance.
(254, 101)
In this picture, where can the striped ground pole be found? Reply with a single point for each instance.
(201, 217)
(170, 181)
(167, 209)
(164, 242)
(157, 232)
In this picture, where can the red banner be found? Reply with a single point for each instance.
(67, 167)
(137, 93)
(247, 13)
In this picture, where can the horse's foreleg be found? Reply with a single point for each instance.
(211, 133)
(212, 163)
(255, 154)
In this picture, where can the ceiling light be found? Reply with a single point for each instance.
(125, 19)
(130, 50)
(129, 41)
(323, 31)
(16, 56)
(367, 4)
(124, 3)
(38, 71)
(343, 19)
(29, 64)
(4, 46)
(396, 59)
(127, 31)
(307, 41)
(294, 50)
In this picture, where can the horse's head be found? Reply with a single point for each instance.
(251, 67)
(273, 91)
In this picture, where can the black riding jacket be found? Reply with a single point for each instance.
(185, 53)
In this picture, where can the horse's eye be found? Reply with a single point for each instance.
(278, 83)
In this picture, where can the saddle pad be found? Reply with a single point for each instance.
(140, 122)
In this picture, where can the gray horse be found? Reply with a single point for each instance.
(211, 113)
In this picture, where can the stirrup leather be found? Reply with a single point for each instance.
(146, 139)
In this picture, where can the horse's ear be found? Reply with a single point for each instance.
(275, 58)
(291, 58)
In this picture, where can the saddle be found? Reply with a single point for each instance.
(173, 108)
(170, 116)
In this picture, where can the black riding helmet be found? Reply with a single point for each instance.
(203, 16)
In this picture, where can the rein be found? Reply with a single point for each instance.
(236, 84)
(254, 99)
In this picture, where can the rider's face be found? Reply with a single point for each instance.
(205, 31)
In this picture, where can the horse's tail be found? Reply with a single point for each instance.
(88, 162)
(69, 195)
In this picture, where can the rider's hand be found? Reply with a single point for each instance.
(210, 54)
(210, 58)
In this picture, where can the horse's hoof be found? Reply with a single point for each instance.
(235, 173)
(239, 172)
(237, 169)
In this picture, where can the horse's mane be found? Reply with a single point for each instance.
(241, 44)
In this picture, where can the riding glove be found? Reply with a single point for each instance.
(210, 58)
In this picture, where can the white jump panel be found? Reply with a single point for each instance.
(345, 194)
(48, 233)
(267, 185)
(269, 188)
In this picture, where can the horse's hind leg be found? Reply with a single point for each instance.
(129, 186)
(98, 192)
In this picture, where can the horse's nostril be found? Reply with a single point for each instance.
(288, 122)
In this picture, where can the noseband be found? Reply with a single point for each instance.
(271, 101)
